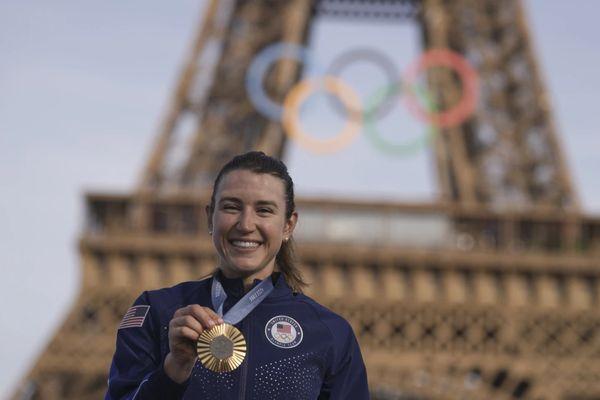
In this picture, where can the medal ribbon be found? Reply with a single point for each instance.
(246, 304)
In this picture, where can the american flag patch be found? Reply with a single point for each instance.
(284, 328)
(134, 317)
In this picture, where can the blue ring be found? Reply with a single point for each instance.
(258, 70)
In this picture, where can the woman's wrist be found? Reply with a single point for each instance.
(178, 372)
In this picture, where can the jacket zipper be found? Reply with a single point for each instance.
(244, 371)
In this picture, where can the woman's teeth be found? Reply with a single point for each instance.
(244, 244)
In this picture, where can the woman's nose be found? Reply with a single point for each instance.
(246, 222)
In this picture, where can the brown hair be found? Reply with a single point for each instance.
(260, 163)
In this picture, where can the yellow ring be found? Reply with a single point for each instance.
(291, 115)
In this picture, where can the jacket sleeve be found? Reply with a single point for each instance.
(136, 371)
(347, 376)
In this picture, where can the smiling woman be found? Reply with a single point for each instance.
(247, 331)
(252, 217)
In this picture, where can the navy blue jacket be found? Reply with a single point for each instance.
(297, 349)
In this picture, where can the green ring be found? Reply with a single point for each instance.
(382, 144)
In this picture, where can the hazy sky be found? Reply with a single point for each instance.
(84, 85)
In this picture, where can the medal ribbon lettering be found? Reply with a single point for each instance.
(246, 304)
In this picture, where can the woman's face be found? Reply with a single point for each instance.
(248, 223)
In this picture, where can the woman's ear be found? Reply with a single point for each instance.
(290, 225)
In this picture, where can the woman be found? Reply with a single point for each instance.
(247, 331)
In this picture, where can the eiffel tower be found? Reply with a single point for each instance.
(500, 302)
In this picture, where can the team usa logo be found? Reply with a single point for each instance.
(283, 331)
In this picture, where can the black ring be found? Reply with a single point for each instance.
(375, 57)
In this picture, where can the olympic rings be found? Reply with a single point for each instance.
(291, 115)
(419, 104)
(395, 148)
(258, 70)
(461, 111)
(370, 55)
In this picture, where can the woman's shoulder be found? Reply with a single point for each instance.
(184, 293)
(334, 321)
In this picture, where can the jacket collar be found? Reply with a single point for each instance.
(235, 287)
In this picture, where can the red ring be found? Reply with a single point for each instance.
(468, 76)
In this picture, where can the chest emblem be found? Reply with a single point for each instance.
(283, 331)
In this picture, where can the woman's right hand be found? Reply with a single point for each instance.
(184, 329)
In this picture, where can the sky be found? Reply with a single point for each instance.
(83, 86)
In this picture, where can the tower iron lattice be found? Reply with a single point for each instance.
(498, 301)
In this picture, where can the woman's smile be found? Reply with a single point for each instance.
(244, 244)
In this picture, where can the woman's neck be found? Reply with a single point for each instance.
(247, 280)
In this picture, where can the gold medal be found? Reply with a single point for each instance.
(221, 348)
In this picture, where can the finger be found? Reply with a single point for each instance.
(195, 312)
(202, 314)
(185, 332)
(195, 309)
(215, 317)
(189, 321)
(182, 311)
